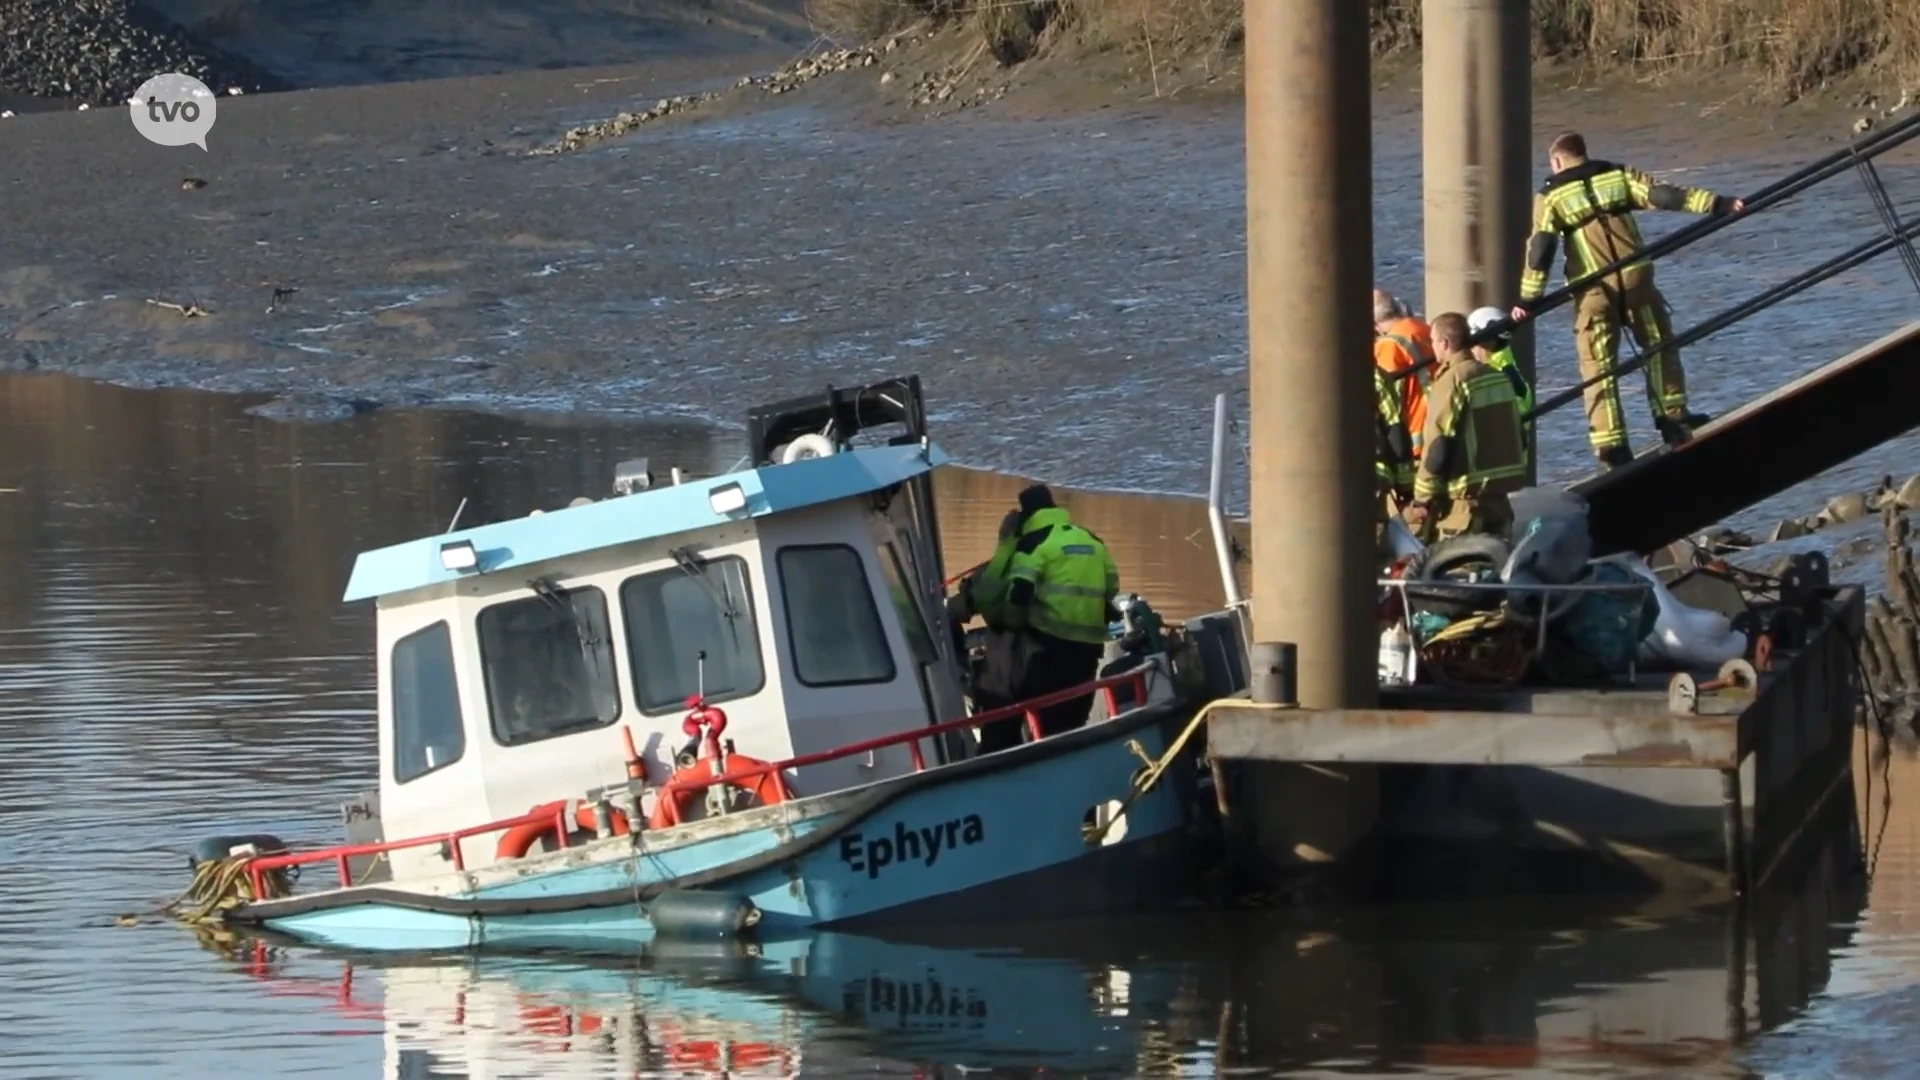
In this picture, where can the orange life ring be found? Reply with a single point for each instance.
(517, 841)
(670, 806)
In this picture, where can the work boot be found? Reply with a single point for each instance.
(1614, 456)
(1695, 420)
(1674, 430)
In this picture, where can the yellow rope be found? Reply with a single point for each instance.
(220, 885)
(1145, 780)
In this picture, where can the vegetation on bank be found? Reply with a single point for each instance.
(1786, 48)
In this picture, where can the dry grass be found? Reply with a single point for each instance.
(1784, 47)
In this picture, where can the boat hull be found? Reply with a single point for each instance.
(988, 838)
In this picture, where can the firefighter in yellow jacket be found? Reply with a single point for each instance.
(1392, 445)
(1589, 205)
(1476, 454)
(1061, 582)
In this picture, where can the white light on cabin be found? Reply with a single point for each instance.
(459, 555)
(730, 499)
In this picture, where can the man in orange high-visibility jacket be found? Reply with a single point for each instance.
(1402, 340)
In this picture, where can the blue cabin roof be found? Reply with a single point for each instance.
(645, 515)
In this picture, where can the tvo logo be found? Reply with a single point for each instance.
(174, 110)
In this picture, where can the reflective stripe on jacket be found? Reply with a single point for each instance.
(1072, 574)
(1407, 342)
(1387, 416)
(1504, 362)
(1475, 409)
(1590, 206)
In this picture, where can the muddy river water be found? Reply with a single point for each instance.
(175, 661)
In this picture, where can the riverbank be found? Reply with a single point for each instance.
(1780, 49)
(1068, 52)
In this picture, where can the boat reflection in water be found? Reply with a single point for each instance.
(1461, 990)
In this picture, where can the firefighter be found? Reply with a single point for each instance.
(1392, 446)
(1402, 340)
(1476, 453)
(1061, 584)
(1590, 205)
(1497, 353)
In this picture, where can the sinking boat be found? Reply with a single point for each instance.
(704, 705)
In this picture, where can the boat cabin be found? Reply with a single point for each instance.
(803, 595)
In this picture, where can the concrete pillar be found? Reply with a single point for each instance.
(1477, 149)
(1309, 280)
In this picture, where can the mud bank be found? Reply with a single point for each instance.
(97, 51)
(1077, 270)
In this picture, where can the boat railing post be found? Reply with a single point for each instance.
(1216, 511)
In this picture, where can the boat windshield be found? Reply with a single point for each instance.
(549, 665)
(675, 616)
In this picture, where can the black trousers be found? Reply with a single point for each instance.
(1055, 664)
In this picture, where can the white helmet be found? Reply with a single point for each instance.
(1483, 318)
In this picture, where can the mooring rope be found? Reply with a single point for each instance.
(219, 886)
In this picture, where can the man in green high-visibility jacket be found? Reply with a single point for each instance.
(1061, 584)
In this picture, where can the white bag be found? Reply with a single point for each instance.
(1688, 637)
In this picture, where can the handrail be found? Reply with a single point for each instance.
(260, 865)
(1833, 267)
(1029, 709)
(1852, 155)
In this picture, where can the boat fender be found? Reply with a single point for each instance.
(691, 913)
(806, 446)
(216, 848)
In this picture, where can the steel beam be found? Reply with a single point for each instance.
(1309, 279)
(1383, 736)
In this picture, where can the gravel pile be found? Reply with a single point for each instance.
(99, 51)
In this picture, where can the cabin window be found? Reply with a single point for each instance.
(427, 730)
(675, 615)
(902, 586)
(549, 663)
(833, 626)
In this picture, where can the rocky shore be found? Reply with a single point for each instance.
(905, 65)
(97, 52)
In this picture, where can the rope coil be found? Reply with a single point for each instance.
(219, 886)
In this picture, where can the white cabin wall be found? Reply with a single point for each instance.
(825, 717)
(518, 778)
(454, 795)
(496, 781)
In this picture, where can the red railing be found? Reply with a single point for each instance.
(1029, 710)
(261, 865)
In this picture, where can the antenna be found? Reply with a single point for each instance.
(457, 511)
